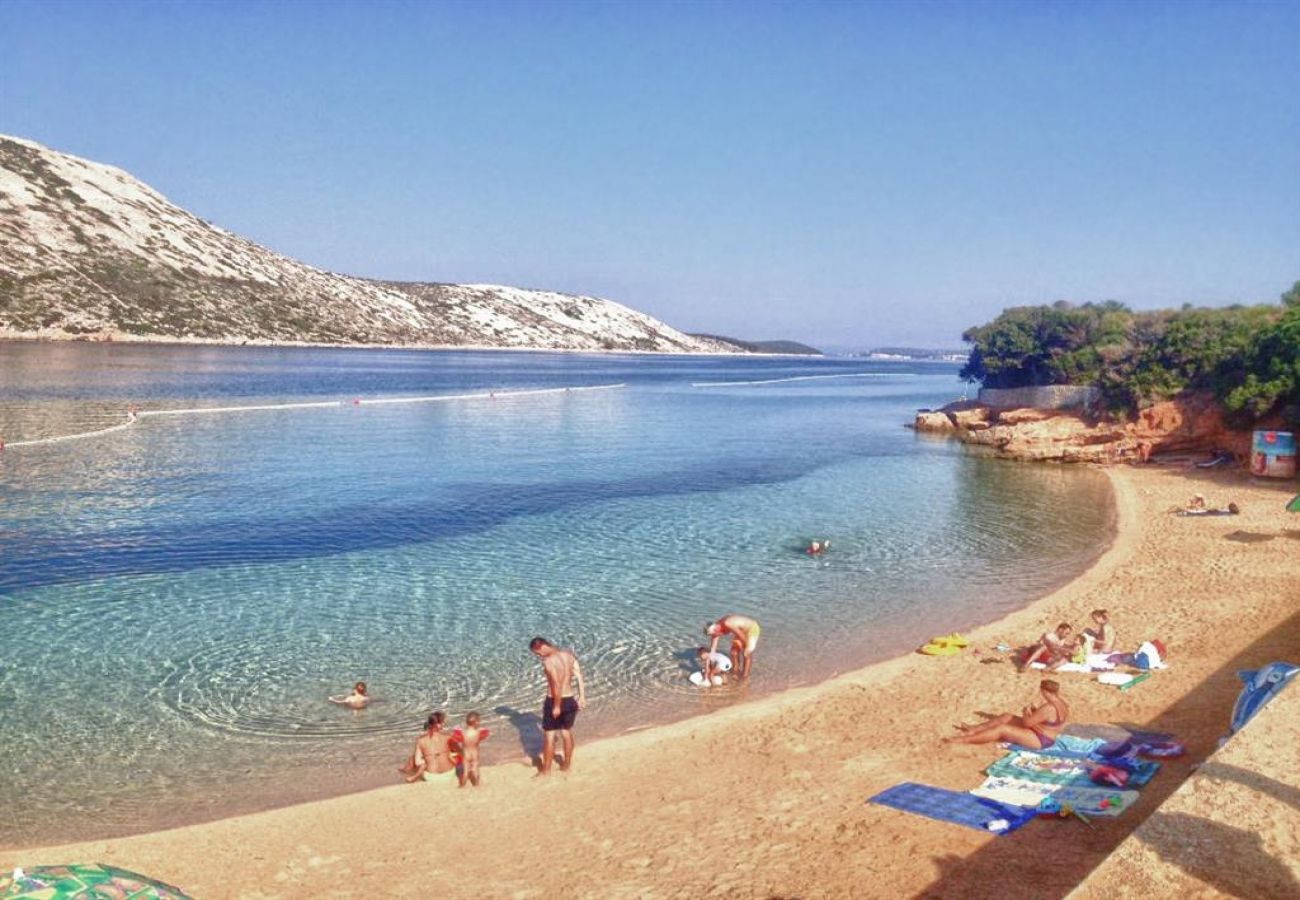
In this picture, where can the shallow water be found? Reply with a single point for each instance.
(178, 598)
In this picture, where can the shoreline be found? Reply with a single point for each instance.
(790, 769)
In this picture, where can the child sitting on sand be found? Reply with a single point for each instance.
(1052, 649)
(358, 699)
(1100, 639)
(466, 741)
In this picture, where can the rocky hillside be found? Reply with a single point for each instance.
(87, 251)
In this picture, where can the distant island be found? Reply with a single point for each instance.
(793, 347)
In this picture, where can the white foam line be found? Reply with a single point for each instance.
(320, 404)
(437, 398)
(800, 378)
(69, 437)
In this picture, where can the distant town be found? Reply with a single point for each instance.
(915, 353)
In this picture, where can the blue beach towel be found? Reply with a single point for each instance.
(953, 806)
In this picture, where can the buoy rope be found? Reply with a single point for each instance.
(134, 415)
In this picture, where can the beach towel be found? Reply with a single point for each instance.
(954, 806)
(1091, 801)
(1064, 771)
(1065, 745)
(1094, 662)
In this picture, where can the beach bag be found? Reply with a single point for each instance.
(1149, 656)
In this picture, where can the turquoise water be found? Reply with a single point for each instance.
(178, 598)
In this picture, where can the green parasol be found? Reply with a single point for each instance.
(93, 881)
(1294, 505)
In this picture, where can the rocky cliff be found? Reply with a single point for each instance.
(1192, 423)
(87, 251)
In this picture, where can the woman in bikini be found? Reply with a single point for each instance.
(1036, 727)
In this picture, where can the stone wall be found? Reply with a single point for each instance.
(1049, 396)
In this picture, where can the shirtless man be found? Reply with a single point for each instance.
(744, 639)
(560, 708)
(432, 755)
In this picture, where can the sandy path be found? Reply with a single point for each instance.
(766, 799)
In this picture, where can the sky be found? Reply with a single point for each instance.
(846, 174)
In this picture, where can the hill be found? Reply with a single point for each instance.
(88, 251)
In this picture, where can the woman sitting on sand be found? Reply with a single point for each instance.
(1036, 727)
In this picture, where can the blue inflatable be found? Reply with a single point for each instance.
(1262, 685)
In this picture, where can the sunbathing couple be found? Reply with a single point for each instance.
(1055, 649)
(437, 752)
(1037, 727)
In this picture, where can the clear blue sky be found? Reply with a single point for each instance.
(840, 173)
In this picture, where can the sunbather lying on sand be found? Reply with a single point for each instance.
(1036, 727)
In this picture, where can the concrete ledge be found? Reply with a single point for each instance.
(1231, 830)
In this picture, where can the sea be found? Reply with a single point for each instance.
(179, 597)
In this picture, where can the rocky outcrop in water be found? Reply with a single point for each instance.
(1191, 424)
(89, 252)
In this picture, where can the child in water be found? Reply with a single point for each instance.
(466, 741)
(713, 666)
(358, 699)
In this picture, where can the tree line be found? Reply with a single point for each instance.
(1247, 356)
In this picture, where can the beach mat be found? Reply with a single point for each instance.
(1091, 801)
(953, 806)
(1066, 746)
(1064, 771)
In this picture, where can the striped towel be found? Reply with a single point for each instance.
(1064, 771)
(1091, 801)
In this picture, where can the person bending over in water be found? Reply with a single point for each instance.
(358, 699)
(744, 633)
(1037, 727)
(1052, 649)
(468, 739)
(432, 754)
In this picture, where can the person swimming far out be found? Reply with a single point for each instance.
(817, 548)
(1037, 727)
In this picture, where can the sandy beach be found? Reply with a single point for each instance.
(766, 799)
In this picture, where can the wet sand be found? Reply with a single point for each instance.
(766, 799)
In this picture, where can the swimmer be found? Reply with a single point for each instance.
(817, 548)
(358, 699)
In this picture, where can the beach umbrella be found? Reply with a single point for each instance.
(92, 881)
(1294, 505)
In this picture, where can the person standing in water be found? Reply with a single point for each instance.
(744, 633)
(560, 708)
